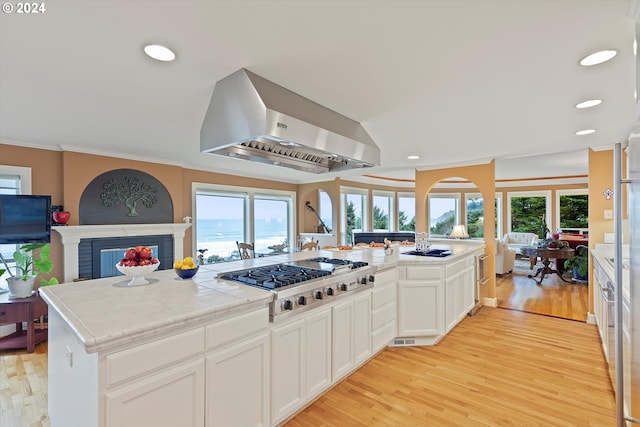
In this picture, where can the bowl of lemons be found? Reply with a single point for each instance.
(186, 268)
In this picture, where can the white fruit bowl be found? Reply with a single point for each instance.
(137, 273)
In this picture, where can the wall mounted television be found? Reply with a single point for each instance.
(25, 219)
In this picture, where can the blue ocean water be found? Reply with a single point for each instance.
(218, 230)
(219, 236)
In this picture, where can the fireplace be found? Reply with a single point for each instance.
(97, 256)
(80, 241)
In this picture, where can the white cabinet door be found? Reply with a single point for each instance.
(383, 314)
(238, 384)
(174, 397)
(318, 349)
(362, 327)
(342, 342)
(420, 309)
(458, 296)
(287, 369)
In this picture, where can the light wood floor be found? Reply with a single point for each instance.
(497, 368)
(553, 297)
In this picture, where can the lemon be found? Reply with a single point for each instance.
(188, 260)
(177, 264)
(187, 267)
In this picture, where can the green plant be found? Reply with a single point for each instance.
(32, 259)
(579, 260)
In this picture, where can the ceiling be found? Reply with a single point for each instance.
(456, 82)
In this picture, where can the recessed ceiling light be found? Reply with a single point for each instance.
(598, 57)
(413, 157)
(589, 103)
(585, 132)
(159, 52)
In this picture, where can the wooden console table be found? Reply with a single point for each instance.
(546, 254)
(18, 310)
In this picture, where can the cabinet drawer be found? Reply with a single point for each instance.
(386, 276)
(383, 336)
(383, 315)
(456, 267)
(14, 313)
(236, 328)
(419, 273)
(383, 295)
(150, 357)
(18, 311)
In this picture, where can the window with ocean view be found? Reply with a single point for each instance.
(224, 216)
(354, 213)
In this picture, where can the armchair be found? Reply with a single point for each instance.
(516, 240)
(505, 258)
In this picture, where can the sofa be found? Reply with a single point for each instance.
(505, 258)
(516, 240)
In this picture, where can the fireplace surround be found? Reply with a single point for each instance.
(72, 235)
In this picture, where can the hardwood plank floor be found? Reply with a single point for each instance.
(553, 297)
(23, 388)
(497, 368)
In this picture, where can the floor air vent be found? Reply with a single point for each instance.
(404, 341)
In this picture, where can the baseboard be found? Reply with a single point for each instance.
(591, 319)
(491, 302)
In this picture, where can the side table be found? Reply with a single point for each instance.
(546, 254)
(18, 310)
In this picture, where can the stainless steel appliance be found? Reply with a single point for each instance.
(252, 118)
(627, 345)
(299, 286)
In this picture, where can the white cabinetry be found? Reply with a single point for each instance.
(215, 374)
(600, 304)
(420, 301)
(458, 296)
(384, 309)
(170, 398)
(351, 334)
(159, 383)
(237, 366)
(433, 298)
(301, 361)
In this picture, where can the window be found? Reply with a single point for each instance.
(382, 211)
(406, 211)
(475, 215)
(498, 214)
(354, 213)
(224, 216)
(444, 213)
(13, 180)
(271, 222)
(326, 209)
(529, 211)
(573, 210)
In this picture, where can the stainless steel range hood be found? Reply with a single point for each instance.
(252, 118)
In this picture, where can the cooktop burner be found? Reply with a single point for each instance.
(275, 276)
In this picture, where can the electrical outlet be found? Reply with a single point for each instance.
(608, 237)
(608, 214)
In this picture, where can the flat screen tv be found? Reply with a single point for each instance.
(25, 219)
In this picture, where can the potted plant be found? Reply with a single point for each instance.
(31, 259)
(579, 263)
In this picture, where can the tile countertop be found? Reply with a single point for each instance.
(105, 316)
(603, 254)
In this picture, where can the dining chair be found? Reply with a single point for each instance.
(246, 250)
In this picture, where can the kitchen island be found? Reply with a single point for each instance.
(203, 351)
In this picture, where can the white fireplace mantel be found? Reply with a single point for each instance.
(72, 234)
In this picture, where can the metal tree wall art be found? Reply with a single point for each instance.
(129, 192)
